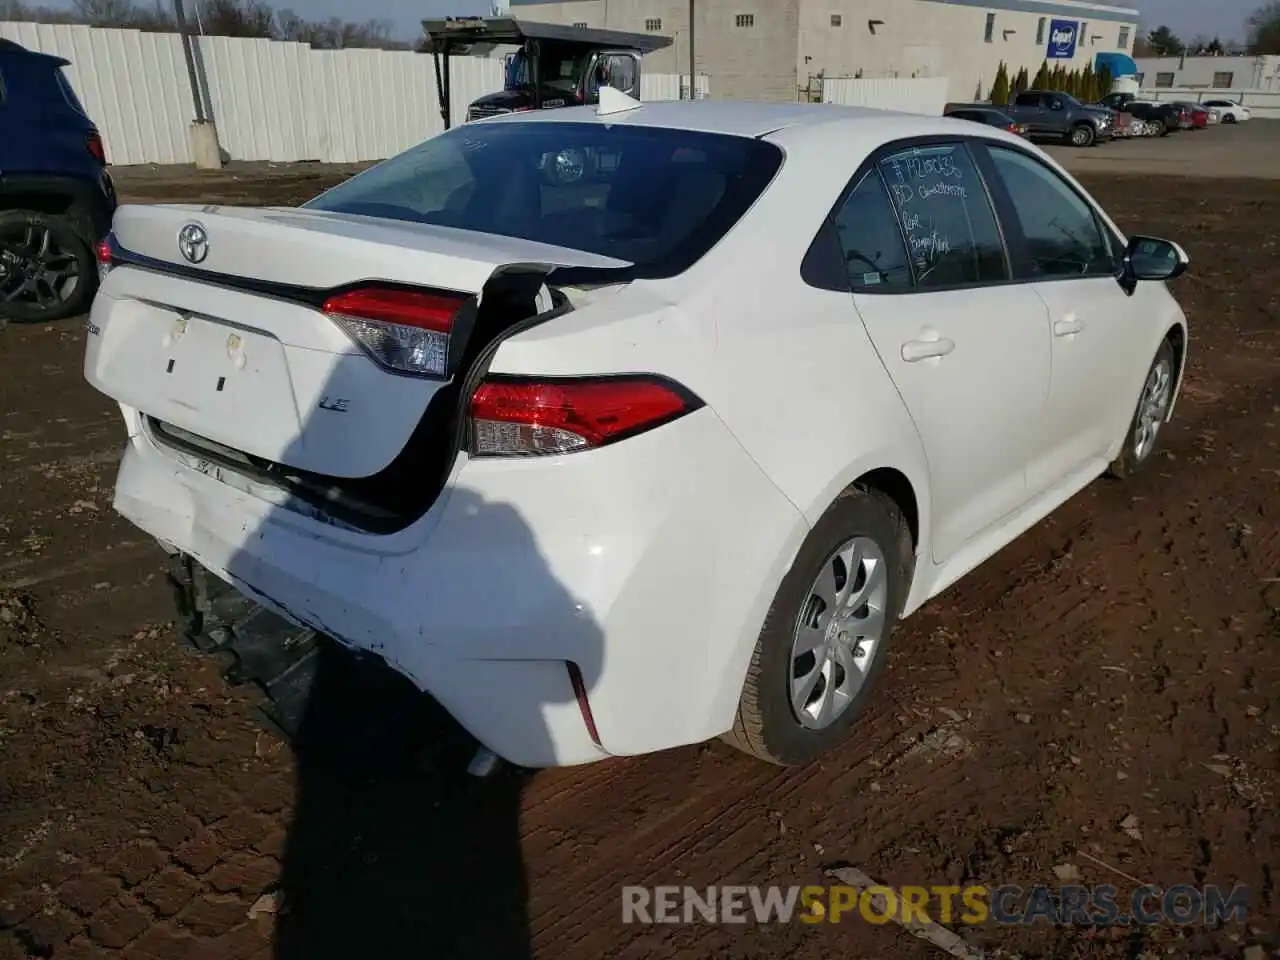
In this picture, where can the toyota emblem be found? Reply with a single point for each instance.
(193, 242)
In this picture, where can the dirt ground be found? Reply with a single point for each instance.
(1119, 663)
(1249, 149)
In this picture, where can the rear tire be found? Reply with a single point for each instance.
(1149, 416)
(47, 268)
(870, 527)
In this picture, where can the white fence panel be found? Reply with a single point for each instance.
(271, 100)
(1262, 104)
(671, 86)
(927, 95)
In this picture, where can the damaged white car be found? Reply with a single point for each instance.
(623, 429)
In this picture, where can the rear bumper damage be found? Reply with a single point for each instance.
(561, 609)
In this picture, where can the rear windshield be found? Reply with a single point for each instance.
(658, 198)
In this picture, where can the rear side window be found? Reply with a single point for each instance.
(871, 240)
(1062, 234)
(69, 92)
(654, 197)
(951, 231)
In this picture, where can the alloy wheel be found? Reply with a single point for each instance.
(35, 270)
(1153, 407)
(839, 632)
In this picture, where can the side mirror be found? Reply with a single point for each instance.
(1150, 258)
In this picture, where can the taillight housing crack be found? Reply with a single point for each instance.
(521, 416)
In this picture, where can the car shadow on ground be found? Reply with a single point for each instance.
(394, 850)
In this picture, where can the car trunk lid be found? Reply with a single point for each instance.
(213, 320)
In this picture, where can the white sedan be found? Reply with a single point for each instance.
(621, 428)
(1228, 110)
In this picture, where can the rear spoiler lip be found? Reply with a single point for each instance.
(291, 292)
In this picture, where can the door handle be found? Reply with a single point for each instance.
(916, 350)
(1067, 326)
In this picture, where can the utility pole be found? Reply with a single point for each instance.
(202, 134)
(191, 63)
(693, 60)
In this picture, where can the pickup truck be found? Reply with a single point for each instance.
(1048, 113)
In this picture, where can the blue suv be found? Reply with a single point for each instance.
(56, 197)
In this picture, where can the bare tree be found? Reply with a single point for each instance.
(336, 34)
(219, 18)
(237, 18)
(1264, 29)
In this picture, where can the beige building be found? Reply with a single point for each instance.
(780, 49)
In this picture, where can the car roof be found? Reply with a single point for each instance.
(10, 48)
(733, 117)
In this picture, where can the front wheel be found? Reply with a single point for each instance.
(1149, 417)
(47, 270)
(826, 637)
(1083, 135)
(1229, 118)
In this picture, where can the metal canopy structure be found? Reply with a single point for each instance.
(446, 36)
(457, 31)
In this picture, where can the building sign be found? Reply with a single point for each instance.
(1062, 39)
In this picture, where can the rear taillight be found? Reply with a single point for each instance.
(522, 417)
(404, 330)
(94, 144)
(105, 254)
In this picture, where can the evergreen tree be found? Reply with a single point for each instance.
(1103, 80)
(1000, 87)
(1089, 85)
(1043, 78)
(1022, 81)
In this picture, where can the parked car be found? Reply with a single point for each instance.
(1199, 115)
(991, 117)
(56, 197)
(1162, 116)
(1117, 101)
(1232, 112)
(1048, 113)
(542, 444)
(1126, 126)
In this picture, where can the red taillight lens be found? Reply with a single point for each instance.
(94, 144)
(519, 417)
(404, 330)
(105, 254)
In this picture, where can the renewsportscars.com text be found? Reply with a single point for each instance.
(1103, 905)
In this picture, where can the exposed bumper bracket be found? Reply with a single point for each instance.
(485, 763)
